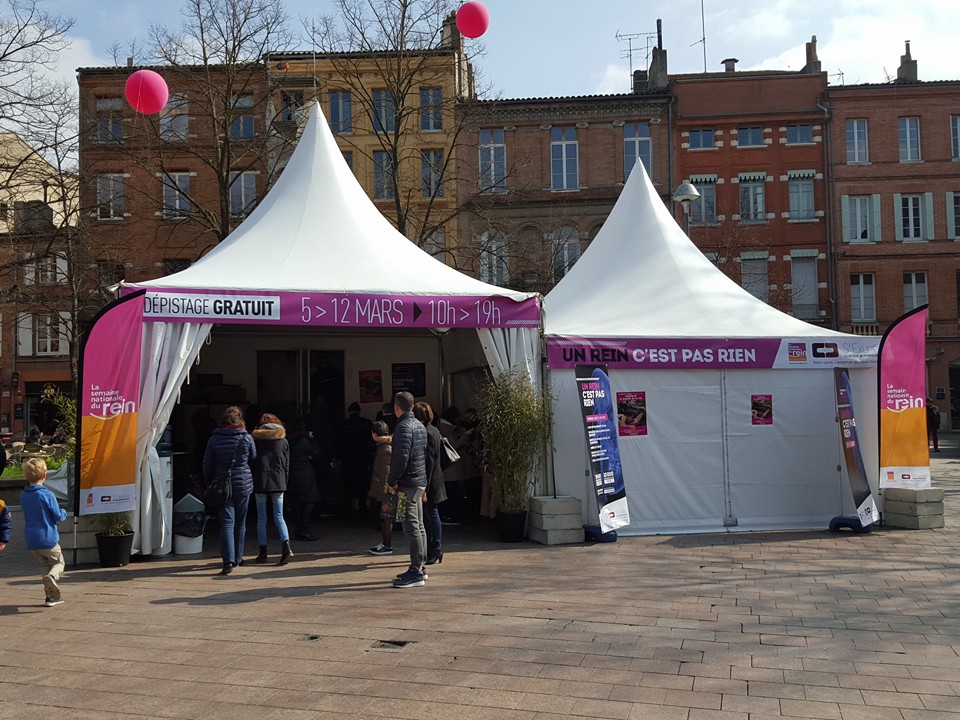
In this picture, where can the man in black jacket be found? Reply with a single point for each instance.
(408, 475)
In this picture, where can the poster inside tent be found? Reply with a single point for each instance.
(761, 409)
(371, 386)
(631, 413)
(409, 377)
(600, 427)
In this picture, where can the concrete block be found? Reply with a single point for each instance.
(924, 522)
(556, 537)
(563, 505)
(555, 522)
(912, 509)
(913, 495)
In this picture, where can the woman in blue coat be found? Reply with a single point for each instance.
(229, 453)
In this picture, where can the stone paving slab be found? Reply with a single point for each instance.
(744, 626)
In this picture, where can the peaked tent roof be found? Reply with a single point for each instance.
(643, 277)
(316, 229)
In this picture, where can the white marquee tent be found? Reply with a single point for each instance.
(646, 302)
(315, 243)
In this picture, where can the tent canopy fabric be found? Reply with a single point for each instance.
(317, 229)
(643, 277)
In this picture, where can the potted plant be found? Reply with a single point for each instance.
(515, 422)
(114, 538)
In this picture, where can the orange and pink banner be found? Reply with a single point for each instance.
(904, 453)
(110, 390)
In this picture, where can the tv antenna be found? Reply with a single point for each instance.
(629, 38)
(703, 37)
(838, 74)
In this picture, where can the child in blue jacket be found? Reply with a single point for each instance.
(40, 517)
(6, 524)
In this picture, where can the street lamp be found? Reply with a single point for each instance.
(685, 194)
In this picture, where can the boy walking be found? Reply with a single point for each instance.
(6, 523)
(40, 517)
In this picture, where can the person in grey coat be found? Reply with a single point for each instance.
(229, 453)
(408, 476)
(436, 489)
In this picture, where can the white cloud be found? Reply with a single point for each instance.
(614, 79)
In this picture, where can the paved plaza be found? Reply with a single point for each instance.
(697, 627)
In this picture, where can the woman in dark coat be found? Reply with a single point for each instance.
(303, 489)
(436, 490)
(229, 453)
(270, 471)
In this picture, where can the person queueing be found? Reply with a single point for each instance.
(408, 476)
(436, 490)
(380, 491)
(303, 488)
(41, 513)
(270, 472)
(229, 453)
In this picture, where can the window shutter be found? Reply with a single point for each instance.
(929, 225)
(64, 332)
(61, 268)
(25, 335)
(845, 219)
(951, 220)
(875, 205)
(898, 217)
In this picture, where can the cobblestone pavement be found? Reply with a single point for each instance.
(699, 627)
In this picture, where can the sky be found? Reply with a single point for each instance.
(547, 48)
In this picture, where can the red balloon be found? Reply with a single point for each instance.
(473, 19)
(146, 92)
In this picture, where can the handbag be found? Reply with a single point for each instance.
(448, 454)
(220, 491)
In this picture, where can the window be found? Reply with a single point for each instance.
(110, 196)
(435, 244)
(701, 139)
(911, 219)
(291, 105)
(174, 120)
(243, 192)
(863, 303)
(42, 334)
(493, 258)
(803, 284)
(341, 110)
(909, 139)
(110, 272)
(383, 169)
(704, 209)
(857, 151)
(493, 161)
(753, 276)
(566, 251)
(384, 111)
(799, 134)
(914, 290)
(751, 198)
(176, 192)
(431, 173)
(431, 109)
(801, 195)
(564, 165)
(859, 224)
(241, 128)
(636, 147)
(955, 136)
(175, 265)
(45, 269)
(348, 158)
(955, 209)
(749, 136)
(109, 119)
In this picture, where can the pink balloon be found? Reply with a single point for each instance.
(146, 92)
(473, 19)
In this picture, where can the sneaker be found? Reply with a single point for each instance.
(408, 580)
(381, 549)
(50, 602)
(449, 523)
(407, 573)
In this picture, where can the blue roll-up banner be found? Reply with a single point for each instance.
(600, 426)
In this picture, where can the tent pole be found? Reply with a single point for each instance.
(729, 519)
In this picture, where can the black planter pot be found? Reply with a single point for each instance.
(114, 549)
(511, 525)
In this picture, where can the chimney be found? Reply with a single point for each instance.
(129, 62)
(450, 36)
(730, 64)
(813, 63)
(657, 77)
(907, 72)
(640, 82)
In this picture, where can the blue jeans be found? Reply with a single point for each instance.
(431, 523)
(233, 528)
(278, 520)
(413, 528)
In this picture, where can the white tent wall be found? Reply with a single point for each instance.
(780, 476)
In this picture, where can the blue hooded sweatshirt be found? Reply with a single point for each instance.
(40, 517)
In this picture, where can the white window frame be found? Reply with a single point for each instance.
(755, 276)
(175, 118)
(242, 126)
(340, 103)
(702, 134)
(795, 130)
(566, 251)
(801, 199)
(564, 159)
(45, 269)
(110, 196)
(637, 147)
(109, 119)
(431, 109)
(384, 111)
(243, 192)
(858, 141)
(909, 138)
(955, 137)
(703, 210)
(431, 173)
(43, 334)
(176, 195)
(861, 299)
(492, 160)
(383, 169)
(911, 217)
(752, 195)
(804, 287)
(916, 290)
(494, 268)
(750, 133)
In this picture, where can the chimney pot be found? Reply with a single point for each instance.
(730, 64)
